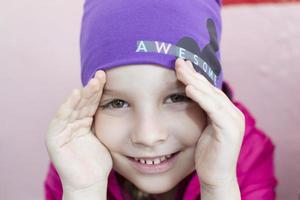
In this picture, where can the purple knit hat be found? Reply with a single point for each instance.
(122, 32)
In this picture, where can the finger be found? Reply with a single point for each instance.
(87, 92)
(188, 75)
(214, 110)
(202, 78)
(185, 73)
(87, 110)
(82, 124)
(202, 92)
(68, 107)
(101, 77)
(222, 112)
(224, 98)
(89, 107)
(61, 118)
(91, 89)
(71, 131)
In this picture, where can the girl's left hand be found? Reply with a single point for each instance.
(218, 147)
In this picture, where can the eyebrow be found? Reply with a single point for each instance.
(106, 90)
(175, 85)
(171, 86)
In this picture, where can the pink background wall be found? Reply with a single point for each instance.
(39, 54)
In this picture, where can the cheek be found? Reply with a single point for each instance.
(111, 131)
(188, 125)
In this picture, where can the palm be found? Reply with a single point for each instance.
(211, 159)
(81, 159)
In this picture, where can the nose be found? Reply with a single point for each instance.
(148, 130)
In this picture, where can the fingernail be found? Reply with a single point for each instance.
(179, 58)
(98, 73)
(190, 65)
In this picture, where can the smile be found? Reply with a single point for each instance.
(156, 165)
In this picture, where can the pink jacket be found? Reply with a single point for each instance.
(255, 168)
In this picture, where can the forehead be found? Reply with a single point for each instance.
(145, 75)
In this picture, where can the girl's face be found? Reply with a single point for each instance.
(146, 113)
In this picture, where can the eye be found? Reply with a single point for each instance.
(116, 103)
(179, 97)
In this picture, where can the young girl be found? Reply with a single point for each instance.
(154, 119)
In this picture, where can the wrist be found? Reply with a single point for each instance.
(227, 190)
(95, 192)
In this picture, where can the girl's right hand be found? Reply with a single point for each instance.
(79, 157)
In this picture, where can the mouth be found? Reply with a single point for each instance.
(154, 164)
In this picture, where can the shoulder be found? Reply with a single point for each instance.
(257, 146)
(252, 132)
(255, 167)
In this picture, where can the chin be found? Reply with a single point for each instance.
(151, 185)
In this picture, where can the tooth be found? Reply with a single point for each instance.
(157, 161)
(149, 162)
(163, 158)
(142, 161)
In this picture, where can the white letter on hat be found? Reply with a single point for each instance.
(141, 46)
